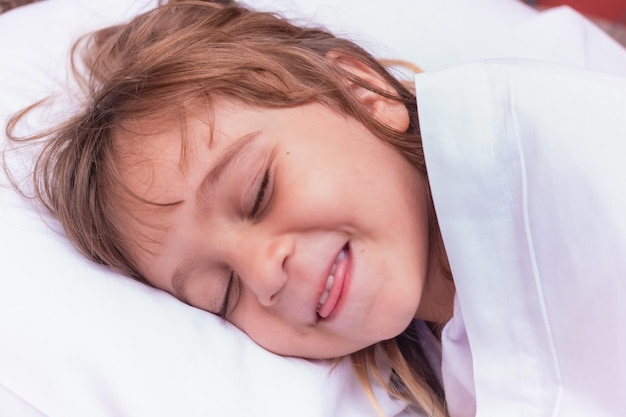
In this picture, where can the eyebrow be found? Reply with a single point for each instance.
(225, 160)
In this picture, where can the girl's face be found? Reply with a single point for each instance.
(305, 229)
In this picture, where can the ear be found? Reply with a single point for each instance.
(385, 110)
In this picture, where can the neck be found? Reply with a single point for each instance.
(437, 302)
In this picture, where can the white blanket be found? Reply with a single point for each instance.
(527, 167)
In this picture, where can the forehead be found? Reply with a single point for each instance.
(152, 156)
(161, 160)
(155, 151)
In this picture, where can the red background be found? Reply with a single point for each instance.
(612, 10)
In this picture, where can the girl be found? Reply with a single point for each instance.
(274, 175)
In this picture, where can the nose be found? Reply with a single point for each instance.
(262, 266)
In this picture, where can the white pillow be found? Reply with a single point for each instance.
(438, 34)
(78, 340)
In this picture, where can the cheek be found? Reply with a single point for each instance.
(282, 338)
(262, 327)
(312, 193)
(272, 335)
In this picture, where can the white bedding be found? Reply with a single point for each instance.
(528, 184)
(77, 340)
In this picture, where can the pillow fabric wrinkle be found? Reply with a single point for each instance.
(13, 405)
(514, 132)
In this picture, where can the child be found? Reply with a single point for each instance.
(273, 175)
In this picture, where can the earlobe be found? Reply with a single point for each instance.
(385, 110)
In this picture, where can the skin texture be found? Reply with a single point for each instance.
(331, 187)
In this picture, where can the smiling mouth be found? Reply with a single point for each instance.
(334, 284)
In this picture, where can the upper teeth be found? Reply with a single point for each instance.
(330, 280)
(329, 285)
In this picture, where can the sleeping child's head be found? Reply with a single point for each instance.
(264, 172)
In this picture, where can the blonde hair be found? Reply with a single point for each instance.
(182, 54)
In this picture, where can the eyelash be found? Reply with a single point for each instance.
(254, 212)
(228, 296)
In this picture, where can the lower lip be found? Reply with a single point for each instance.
(342, 290)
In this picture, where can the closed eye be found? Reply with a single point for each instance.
(231, 296)
(260, 195)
